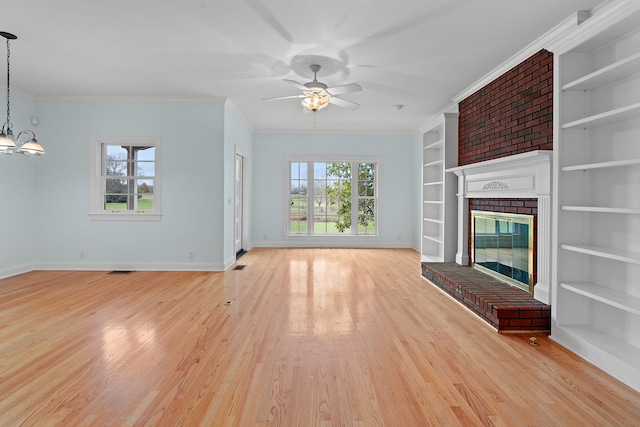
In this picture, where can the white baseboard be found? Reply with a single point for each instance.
(331, 243)
(133, 266)
(14, 271)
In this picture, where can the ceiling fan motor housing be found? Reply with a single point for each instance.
(315, 85)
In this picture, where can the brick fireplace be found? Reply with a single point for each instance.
(505, 141)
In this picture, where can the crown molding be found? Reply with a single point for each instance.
(333, 132)
(436, 119)
(135, 99)
(540, 43)
(602, 17)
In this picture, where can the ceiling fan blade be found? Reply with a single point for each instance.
(344, 103)
(351, 87)
(283, 97)
(296, 84)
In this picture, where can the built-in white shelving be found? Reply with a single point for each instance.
(605, 295)
(437, 221)
(601, 209)
(604, 252)
(608, 117)
(605, 75)
(439, 202)
(596, 227)
(602, 165)
(433, 239)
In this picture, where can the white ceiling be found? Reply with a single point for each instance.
(418, 53)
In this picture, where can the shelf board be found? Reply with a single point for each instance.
(606, 75)
(437, 162)
(604, 252)
(433, 238)
(433, 183)
(607, 296)
(614, 347)
(436, 144)
(430, 258)
(612, 116)
(600, 209)
(437, 221)
(602, 165)
(434, 202)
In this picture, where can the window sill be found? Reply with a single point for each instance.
(125, 216)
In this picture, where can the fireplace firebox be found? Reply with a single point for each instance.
(502, 246)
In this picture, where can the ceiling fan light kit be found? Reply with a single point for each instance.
(315, 99)
(7, 141)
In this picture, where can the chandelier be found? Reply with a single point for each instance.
(9, 144)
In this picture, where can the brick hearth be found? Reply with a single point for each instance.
(506, 308)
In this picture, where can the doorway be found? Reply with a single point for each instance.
(239, 206)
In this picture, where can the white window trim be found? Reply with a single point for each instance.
(96, 209)
(354, 195)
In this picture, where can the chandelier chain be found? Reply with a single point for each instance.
(8, 86)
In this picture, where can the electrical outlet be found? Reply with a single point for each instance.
(191, 255)
(81, 254)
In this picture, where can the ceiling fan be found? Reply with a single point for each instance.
(317, 95)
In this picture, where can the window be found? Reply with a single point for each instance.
(321, 197)
(125, 178)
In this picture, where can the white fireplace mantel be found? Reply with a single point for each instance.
(526, 175)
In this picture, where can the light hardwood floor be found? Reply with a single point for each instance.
(313, 337)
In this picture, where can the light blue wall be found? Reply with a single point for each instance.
(18, 207)
(192, 187)
(397, 187)
(46, 199)
(237, 136)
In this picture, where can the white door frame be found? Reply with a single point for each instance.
(245, 243)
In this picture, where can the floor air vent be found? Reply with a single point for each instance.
(240, 267)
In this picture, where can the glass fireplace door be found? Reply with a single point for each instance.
(502, 245)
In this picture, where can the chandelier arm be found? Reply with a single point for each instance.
(29, 132)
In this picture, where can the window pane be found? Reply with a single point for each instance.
(366, 179)
(116, 152)
(145, 202)
(145, 153)
(144, 186)
(298, 214)
(338, 190)
(320, 170)
(116, 168)
(298, 198)
(366, 216)
(117, 186)
(145, 168)
(320, 203)
(298, 187)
